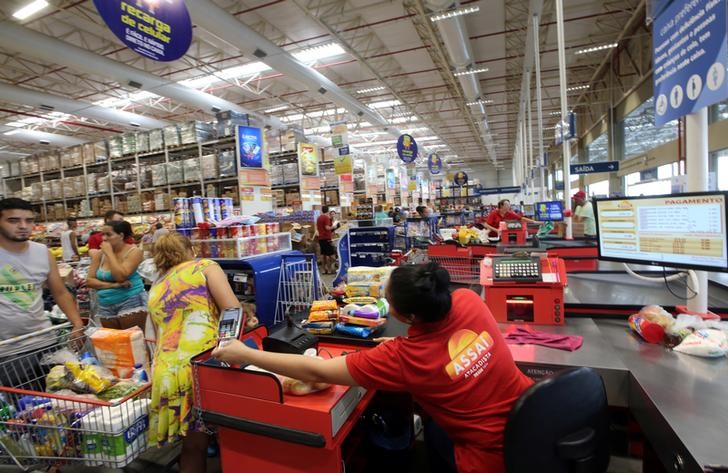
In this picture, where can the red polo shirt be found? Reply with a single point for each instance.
(495, 218)
(460, 371)
(95, 239)
(321, 223)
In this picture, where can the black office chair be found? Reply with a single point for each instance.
(560, 425)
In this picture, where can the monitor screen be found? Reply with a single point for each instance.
(549, 211)
(679, 230)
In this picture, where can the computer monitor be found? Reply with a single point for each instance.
(679, 230)
(549, 211)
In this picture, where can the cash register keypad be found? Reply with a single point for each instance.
(526, 269)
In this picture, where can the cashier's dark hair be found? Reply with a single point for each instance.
(422, 290)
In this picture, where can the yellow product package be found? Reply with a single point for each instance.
(323, 315)
(364, 289)
(120, 350)
(317, 306)
(87, 376)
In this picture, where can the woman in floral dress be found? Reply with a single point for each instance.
(185, 305)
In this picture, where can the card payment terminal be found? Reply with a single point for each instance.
(231, 323)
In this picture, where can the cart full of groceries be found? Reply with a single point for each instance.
(74, 400)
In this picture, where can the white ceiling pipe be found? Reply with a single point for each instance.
(29, 42)
(36, 98)
(225, 26)
(454, 34)
(38, 137)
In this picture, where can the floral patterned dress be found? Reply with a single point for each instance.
(186, 317)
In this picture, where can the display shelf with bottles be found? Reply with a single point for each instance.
(134, 173)
(244, 247)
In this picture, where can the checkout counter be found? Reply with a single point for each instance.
(678, 400)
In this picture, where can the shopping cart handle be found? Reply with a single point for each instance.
(34, 334)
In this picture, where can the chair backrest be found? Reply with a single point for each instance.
(560, 425)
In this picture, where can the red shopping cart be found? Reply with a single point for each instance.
(39, 429)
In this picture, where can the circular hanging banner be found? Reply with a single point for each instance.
(407, 148)
(158, 30)
(460, 178)
(434, 163)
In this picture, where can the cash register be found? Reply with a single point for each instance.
(526, 288)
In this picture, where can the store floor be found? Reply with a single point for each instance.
(157, 461)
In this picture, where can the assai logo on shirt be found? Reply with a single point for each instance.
(469, 353)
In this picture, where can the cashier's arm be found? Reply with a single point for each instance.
(305, 368)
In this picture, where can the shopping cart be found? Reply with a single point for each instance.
(299, 284)
(40, 429)
(463, 267)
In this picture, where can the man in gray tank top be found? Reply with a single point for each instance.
(25, 267)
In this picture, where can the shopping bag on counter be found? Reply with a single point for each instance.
(120, 350)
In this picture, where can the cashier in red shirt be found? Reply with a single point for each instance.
(503, 212)
(454, 363)
(95, 239)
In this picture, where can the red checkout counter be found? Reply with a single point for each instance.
(266, 430)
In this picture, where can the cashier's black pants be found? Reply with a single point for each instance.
(440, 451)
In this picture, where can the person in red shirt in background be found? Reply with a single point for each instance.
(503, 212)
(95, 239)
(454, 362)
(325, 229)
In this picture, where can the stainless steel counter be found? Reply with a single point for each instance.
(679, 400)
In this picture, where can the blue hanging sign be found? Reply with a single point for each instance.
(249, 146)
(434, 163)
(407, 148)
(690, 56)
(590, 168)
(460, 178)
(158, 30)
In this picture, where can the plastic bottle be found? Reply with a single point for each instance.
(89, 359)
(649, 331)
(139, 375)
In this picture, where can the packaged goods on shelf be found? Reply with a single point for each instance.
(29, 165)
(145, 176)
(91, 183)
(72, 156)
(59, 212)
(36, 191)
(276, 175)
(159, 174)
(293, 198)
(142, 142)
(290, 140)
(162, 201)
(115, 147)
(226, 163)
(95, 152)
(191, 170)
(290, 173)
(174, 172)
(209, 167)
(49, 162)
(103, 184)
(156, 140)
(171, 135)
(134, 203)
(128, 143)
(196, 132)
(228, 120)
(14, 168)
(5, 171)
(56, 191)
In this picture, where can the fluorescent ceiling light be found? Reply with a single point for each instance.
(119, 102)
(384, 104)
(374, 143)
(577, 87)
(245, 70)
(316, 114)
(597, 48)
(427, 138)
(319, 52)
(11, 132)
(468, 72)
(478, 102)
(554, 114)
(454, 13)
(411, 118)
(30, 9)
(316, 130)
(370, 89)
(276, 109)
(50, 117)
